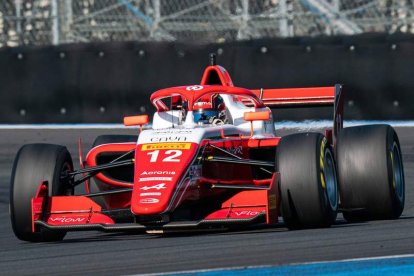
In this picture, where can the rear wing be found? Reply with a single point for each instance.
(297, 97)
(307, 97)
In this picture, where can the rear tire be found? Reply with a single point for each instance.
(370, 173)
(107, 139)
(35, 163)
(308, 185)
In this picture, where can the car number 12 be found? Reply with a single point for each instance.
(170, 155)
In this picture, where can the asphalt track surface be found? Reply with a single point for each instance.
(119, 254)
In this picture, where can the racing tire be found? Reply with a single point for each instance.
(370, 173)
(107, 139)
(35, 163)
(308, 182)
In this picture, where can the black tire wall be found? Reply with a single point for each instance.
(300, 159)
(366, 176)
(35, 163)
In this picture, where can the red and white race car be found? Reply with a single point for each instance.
(211, 160)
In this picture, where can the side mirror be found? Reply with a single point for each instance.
(256, 116)
(136, 121)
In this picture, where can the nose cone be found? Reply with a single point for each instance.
(161, 176)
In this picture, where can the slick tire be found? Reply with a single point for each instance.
(370, 173)
(308, 183)
(107, 139)
(35, 163)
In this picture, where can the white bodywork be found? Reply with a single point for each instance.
(193, 135)
(173, 120)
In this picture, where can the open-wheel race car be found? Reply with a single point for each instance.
(211, 160)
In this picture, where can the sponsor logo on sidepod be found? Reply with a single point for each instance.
(236, 150)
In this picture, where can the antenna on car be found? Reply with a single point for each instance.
(212, 58)
(172, 112)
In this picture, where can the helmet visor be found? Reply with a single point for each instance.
(203, 115)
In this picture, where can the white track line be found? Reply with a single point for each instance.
(359, 259)
(62, 126)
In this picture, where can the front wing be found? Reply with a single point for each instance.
(249, 206)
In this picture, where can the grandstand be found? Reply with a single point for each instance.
(45, 22)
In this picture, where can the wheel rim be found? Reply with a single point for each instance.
(397, 172)
(329, 173)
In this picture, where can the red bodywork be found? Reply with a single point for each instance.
(197, 187)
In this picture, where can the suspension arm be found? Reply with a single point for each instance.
(239, 161)
(102, 167)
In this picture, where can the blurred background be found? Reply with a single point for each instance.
(94, 61)
(54, 22)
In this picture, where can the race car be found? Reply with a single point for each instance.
(211, 159)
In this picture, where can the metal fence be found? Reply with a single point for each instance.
(43, 22)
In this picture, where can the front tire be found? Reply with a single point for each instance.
(370, 173)
(33, 164)
(308, 185)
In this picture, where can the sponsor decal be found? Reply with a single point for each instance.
(169, 139)
(143, 179)
(236, 150)
(203, 105)
(194, 88)
(165, 146)
(247, 213)
(195, 171)
(158, 173)
(156, 187)
(150, 194)
(149, 200)
(67, 220)
(180, 131)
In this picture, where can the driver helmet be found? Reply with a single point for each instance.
(205, 112)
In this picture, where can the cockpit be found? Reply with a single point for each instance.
(197, 105)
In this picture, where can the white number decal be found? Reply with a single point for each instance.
(154, 155)
(171, 156)
(174, 154)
